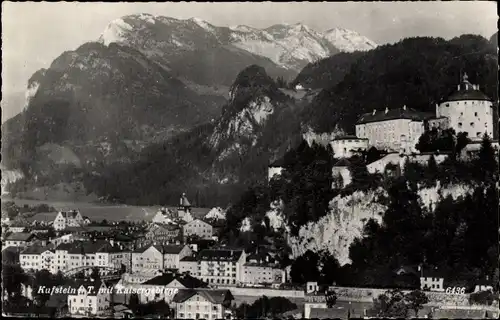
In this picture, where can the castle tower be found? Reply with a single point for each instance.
(468, 110)
(184, 209)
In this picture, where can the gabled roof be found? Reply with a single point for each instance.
(38, 249)
(164, 249)
(92, 287)
(220, 255)
(70, 214)
(186, 280)
(429, 272)
(108, 248)
(20, 236)
(214, 296)
(392, 114)
(342, 163)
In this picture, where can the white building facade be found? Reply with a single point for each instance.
(468, 110)
(347, 146)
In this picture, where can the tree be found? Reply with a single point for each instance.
(12, 277)
(305, 268)
(330, 268)
(265, 307)
(133, 303)
(486, 161)
(391, 304)
(95, 274)
(331, 298)
(416, 299)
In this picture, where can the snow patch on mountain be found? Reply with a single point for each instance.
(115, 32)
(348, 40)
(203, 24)
(337, 230)
(146, 17)
(216, 213)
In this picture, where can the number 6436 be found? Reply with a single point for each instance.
(455, 290)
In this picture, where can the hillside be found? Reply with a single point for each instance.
(416, 72)
(213, 161)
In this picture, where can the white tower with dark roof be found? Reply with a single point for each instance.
(468, 110)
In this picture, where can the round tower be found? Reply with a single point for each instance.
(468, 110)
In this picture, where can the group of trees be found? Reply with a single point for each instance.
(305, 185)
(319, 267)
(158, 308)
(448, 140)
(396, 304)
(265, 308)
(12, 210)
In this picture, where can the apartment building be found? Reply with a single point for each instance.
(89, 298)
(199, 228)
(65, 219)
(202, 304)
(154, 257)
(221, 266)
(37, 258)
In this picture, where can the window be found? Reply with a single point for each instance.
(475, 114)
(447, 105)
(478, 134)
(461, 113)
(472, 124)
(181, 315)
(460, 124)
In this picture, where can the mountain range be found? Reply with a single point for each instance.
(157, 106)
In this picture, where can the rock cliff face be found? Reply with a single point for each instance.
(9, 176)
(345, 222)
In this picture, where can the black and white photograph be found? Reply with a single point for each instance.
(250, 160)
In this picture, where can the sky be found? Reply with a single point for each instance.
(34, 34)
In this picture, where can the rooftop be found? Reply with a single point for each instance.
(393, 114)
(37, 249)
(342, 163)
(88, 284)
(164, 249)
(466, 91)
(348, 137)
(214, 296)
(186, 280)
(20, 236)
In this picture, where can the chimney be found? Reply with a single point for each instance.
(386, 110)
(374, 111)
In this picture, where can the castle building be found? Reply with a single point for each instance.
(392, 130)
(466, 110)
(347, 146)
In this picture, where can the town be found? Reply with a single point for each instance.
(176, 265)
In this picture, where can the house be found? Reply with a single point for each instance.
(67, 238)
(347, 146)
(261, 270)
(392, 130)
(313, 299)
(65, 219)
(483, 285)
(37, 257)
(89, 298)
(155, 258)
(169, 280)
(202, 304)
(86, 220)
(221, 266)
(431, 279)
(189, 265)
(341, 174)
(275, 169)
(199, 228)
(19, 239)
(163, 233)
(18, 227)
(114, 256)
(163, 216)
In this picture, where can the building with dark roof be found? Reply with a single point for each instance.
(468, 110)
(19, 239)
(158, 257)
(431, 278)
(65, 219)
(393, 129)
(89, 298)
(176, 280)
(202, 303)
(221, 266)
